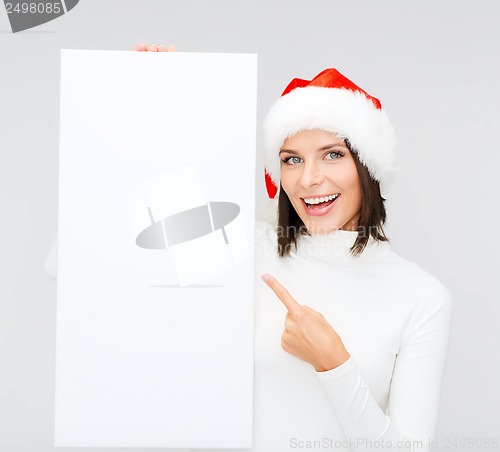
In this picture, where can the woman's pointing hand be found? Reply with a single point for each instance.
(307, 334)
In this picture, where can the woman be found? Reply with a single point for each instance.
(360, 367)
(372, 341)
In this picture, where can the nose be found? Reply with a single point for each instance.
(311, 174)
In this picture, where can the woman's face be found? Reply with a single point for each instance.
(319, 176)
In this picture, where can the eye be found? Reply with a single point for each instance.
(292, 160)
(334, 155)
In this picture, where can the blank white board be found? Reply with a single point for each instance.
(154, 344)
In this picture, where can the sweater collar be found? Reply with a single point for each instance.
(334, 248)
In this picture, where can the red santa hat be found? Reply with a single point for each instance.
(333, 103)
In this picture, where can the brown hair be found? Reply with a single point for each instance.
(371, 220)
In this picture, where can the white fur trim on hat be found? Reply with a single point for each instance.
(349, 114)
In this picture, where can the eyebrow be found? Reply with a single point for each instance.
(322, 148)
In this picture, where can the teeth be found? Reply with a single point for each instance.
(319, 200)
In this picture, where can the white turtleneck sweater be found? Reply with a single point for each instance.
(393, 318)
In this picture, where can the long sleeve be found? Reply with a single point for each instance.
(410, 420)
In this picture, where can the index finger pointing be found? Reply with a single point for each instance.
(281, 292)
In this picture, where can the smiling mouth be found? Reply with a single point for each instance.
(320, 202)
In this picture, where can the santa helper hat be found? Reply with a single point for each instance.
(331, 102)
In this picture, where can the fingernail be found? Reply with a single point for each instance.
(265, 277)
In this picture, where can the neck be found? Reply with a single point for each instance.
(335, 248)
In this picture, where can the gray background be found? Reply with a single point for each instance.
(434, 65)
